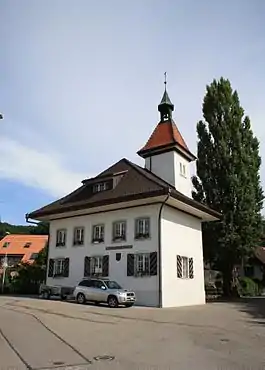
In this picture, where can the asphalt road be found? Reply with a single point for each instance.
(38, 335)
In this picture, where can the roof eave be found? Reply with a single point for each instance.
(45, 215)
(198, 209)
(144, 153)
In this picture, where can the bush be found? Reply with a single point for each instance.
(248, 287)
(28, 279)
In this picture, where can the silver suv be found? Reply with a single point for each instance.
(103, 291)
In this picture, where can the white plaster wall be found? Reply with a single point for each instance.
(167, 166)
(146, 288)
(181, 235)
(182, 183)
(163, 166)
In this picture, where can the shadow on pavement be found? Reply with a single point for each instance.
(255, 307)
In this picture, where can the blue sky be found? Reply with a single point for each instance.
(81, 80)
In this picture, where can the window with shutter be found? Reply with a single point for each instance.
(58, 267)
(97, 266)
(185, 267)
(142, 264)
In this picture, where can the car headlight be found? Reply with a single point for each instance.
(122, 294)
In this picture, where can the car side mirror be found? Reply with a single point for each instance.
(103, 287)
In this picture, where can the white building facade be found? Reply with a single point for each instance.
(138, 226)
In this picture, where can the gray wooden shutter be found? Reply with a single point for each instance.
(191, 270)
(153, 263)
(179, 266)
(87, 266)
(51, 267)
(130, 264)
(105, 266)
(66, 267)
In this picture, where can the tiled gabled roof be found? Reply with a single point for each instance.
(131, 182)
(17, 242)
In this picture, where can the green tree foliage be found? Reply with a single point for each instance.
(228, 179)
(41, 229)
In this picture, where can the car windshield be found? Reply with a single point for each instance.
(112, 284)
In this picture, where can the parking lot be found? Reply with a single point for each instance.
(39, 334)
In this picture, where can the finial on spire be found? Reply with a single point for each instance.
(165, 81)
(165, 107)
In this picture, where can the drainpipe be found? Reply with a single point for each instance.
(159, 248)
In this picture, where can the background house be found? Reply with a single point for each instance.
(21, 248)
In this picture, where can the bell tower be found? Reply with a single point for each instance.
(166, 153)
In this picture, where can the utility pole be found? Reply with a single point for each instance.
(5, 265)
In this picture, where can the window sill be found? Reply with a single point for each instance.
(119, 240)
(60, 245)
(78, 245)
(142, 276)
(97, 241)
(142, 237)
(184, 176)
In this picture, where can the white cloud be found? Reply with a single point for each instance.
(37, 169)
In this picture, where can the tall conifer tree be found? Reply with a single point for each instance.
(228, 179)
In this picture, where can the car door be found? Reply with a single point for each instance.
(85, 288)
(96, 291)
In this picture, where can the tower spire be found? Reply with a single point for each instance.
(165, 107)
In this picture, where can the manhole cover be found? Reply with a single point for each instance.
(56, 363)
(224, 340)
(104, 358)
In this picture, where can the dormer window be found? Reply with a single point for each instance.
(6, 244)
(27, 245)
(101, 186)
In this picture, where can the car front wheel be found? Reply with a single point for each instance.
(112, 301)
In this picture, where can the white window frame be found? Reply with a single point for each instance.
(60, 237)
(98, 233)
(182, 169)
(142, 264)
(185, 267)
(101, 186)
(119, 230)
(96, 265)
(79, 235)
(58, 266)
(142, 227)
